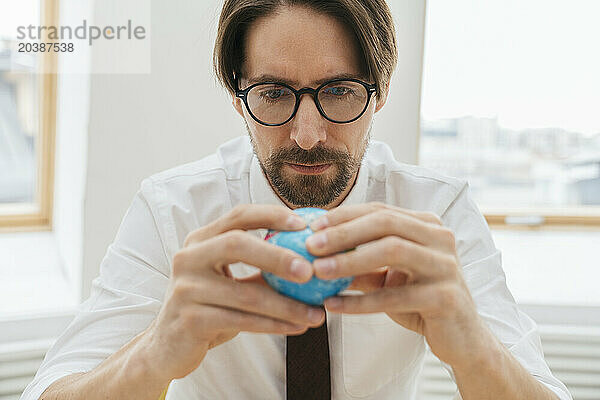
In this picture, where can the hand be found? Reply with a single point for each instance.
(205, 305)
(408, 268)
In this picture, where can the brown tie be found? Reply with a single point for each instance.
(307, 365)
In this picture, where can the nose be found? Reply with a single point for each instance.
(308, 126)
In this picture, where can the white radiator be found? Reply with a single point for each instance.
(573, 355)
(18, 364)
(23, 343)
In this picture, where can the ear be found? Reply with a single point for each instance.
(381, 102)
(237, 104)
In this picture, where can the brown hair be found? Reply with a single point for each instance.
(369, 20)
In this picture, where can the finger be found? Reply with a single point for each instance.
(402, 299)
(346, 213)
(247, 217)
(384, 277)
(395, 277)
(253, 298)
(368, 282)
(255, 279)
(228, 319)
(239, 246)
(375, 225)
(417, 261)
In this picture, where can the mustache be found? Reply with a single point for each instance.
(318, 155)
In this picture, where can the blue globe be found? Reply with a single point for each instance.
(315, 290)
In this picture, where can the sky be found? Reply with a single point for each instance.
(531, 63)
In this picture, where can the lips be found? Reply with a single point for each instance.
(309, 169)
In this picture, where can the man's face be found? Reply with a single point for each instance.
(300, 47)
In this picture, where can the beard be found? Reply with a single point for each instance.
(305, 190)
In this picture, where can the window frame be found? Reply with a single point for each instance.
(527, 218)
(37, 216)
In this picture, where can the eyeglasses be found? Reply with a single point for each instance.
(274, 103)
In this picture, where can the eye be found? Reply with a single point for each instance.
(337, 90)
(272, 93)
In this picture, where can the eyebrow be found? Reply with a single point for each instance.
(273, 78)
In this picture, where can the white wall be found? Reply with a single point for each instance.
(142, 124)
(398, 121)
(71, 150)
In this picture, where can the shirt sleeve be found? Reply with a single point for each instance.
(482, 269)
(124, 299)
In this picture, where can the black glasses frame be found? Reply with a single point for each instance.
(243, 94)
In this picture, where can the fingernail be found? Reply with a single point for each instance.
(300, 268)
(319, 223)
(295, 222)
(294, 327)
(317, 240)
(325, 266)
(314, 315)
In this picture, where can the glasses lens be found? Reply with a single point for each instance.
(343, 100)
(270, 103)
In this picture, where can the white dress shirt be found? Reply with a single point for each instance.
(372, 357)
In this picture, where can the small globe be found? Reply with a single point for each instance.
(316, 290)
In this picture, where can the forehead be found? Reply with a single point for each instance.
(300, 46)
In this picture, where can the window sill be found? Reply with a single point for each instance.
(32, 279)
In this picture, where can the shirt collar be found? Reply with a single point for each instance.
(261, 191)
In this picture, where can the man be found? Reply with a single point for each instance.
(178, 302)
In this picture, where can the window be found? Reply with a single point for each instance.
(27, 119)
(510, 101)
